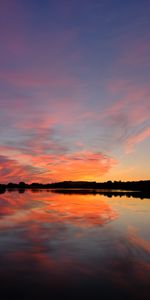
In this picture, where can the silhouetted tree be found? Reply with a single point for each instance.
(22, 184)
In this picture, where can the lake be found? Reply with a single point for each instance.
(74, 245)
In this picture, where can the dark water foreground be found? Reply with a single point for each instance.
(54, 245)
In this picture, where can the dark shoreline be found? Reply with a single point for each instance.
(87, 191)
(138, 189)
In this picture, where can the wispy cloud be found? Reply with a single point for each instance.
(137, 138)
(10, 169)
(129, 113)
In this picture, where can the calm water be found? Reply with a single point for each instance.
(55, 245)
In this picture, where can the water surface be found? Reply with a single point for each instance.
(54, 244)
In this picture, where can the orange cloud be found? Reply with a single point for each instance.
(55, 167)
(76, 166)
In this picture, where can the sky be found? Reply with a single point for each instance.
(74, 90)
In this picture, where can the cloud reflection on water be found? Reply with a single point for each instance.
(52, 243)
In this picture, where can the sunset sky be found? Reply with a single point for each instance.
(74, 90)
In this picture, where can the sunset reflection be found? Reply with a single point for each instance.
(52, 243)
(81, 210)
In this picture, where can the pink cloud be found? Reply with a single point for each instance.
(136, 139)
(132, 97)
(11, 170)
(129, 113)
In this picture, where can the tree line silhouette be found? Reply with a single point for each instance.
(117, 188)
